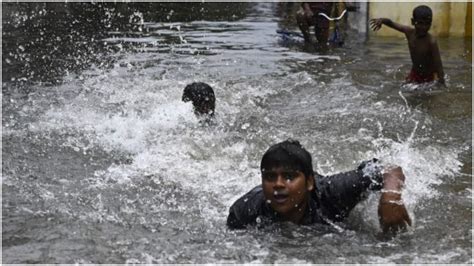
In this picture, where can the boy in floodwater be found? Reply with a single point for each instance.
(424, 51)
(291, 191)
(202, 97)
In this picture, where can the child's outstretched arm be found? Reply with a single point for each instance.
(438, 65)
(376, 24)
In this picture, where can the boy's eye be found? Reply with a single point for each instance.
(290, 175)
(270, 176)
(422, 22)
(273, 176)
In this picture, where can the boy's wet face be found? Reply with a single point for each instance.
(422, 26)
(287, 191)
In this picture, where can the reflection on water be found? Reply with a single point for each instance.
(103, 162)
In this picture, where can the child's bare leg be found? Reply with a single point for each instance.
(303, 24)
(322, 34)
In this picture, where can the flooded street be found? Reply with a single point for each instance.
(103, 162)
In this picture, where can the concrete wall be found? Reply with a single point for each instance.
(468, 31)
(358, 19)
(449, 18)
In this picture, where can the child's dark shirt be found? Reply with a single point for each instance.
(332, 199)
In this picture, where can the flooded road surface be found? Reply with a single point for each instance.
(103, 162)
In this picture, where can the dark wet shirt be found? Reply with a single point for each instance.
(332, 199)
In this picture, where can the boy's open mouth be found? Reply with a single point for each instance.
(280, 197)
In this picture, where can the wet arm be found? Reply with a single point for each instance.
(393, 215)
(438, 65)
(340, 193)
(376, 24)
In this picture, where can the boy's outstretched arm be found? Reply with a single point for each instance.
(376, 24)
(438, 65)
(393, 215)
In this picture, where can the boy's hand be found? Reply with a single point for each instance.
(393, 215)
(376, 24)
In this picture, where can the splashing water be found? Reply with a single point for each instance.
(111, 166)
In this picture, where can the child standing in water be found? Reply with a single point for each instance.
(424, 51)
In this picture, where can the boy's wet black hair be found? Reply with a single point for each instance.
(422, 12)
(201, 95)
(288, 154)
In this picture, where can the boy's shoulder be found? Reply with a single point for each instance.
(252, 198)
(410, 31)
(246, 209)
